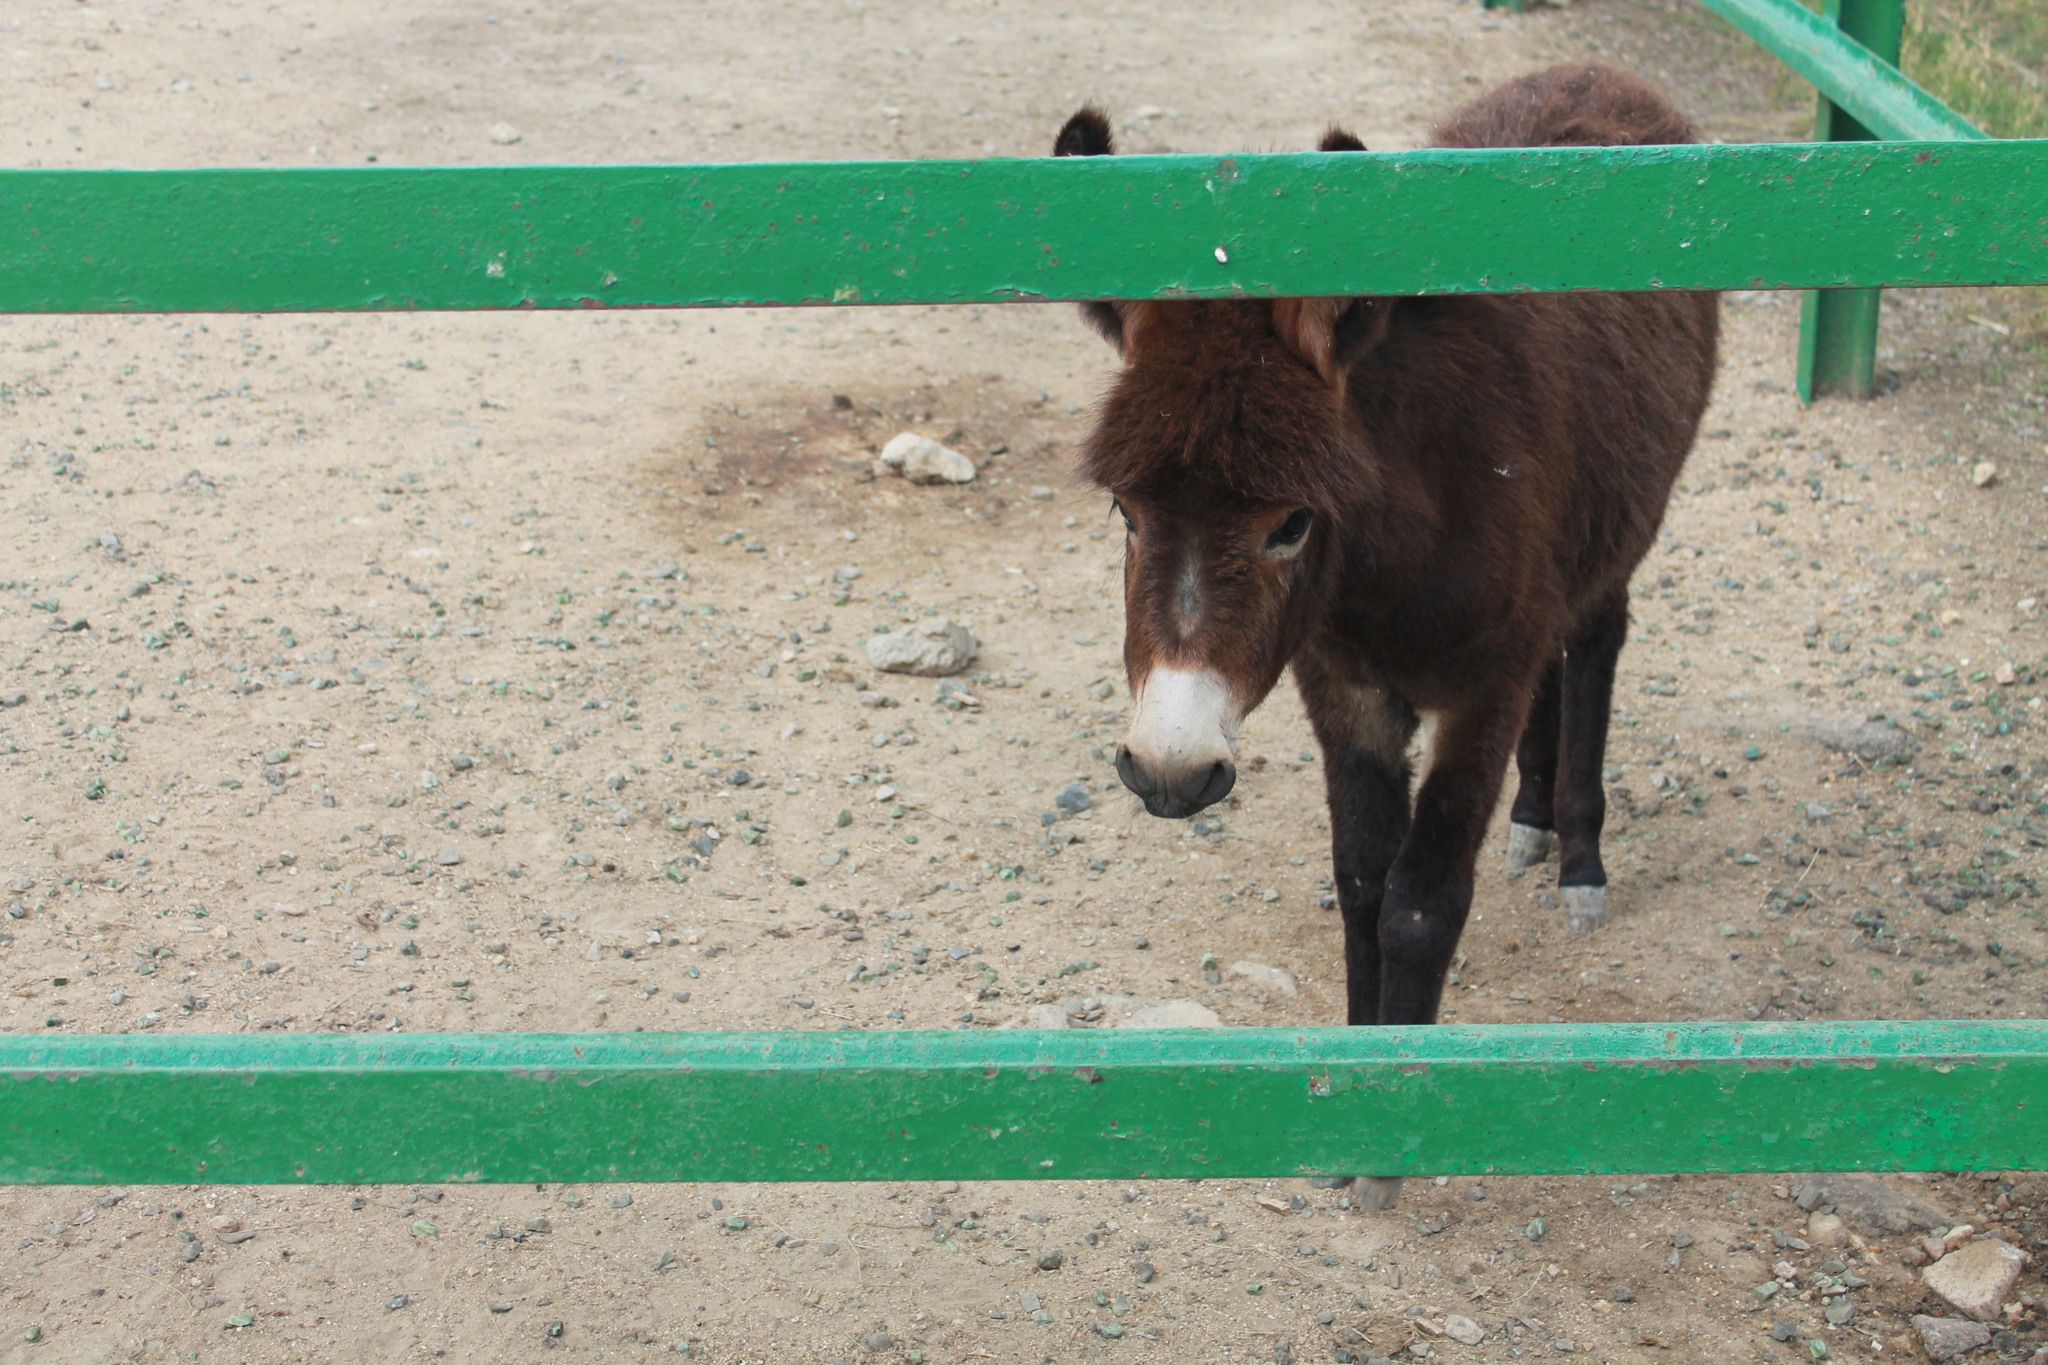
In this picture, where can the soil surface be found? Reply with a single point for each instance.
(505, 673)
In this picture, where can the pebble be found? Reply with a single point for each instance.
(449, 857)
(539, 1225)
(876, 1342)
(923, 460)
(1278, 980)
(928, 649)
(396, 1301)
(1051, 1260)
(1172, 1014)
(1073, 798)
(622, 1201)
(1947, 1338)
(504, 134)
(1463, 1330)
(1144, 1271)
(1826, 1230)
(1984, 473)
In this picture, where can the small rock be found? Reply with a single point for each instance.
(1868, 1205)
(1172, 1014)
(922, 460)
(1782, 1330)
(449, 857)
(1051, 1260)
(1947, 1338)
(874, 1343)
(1869, 740)
(1143, 1271)
(1463, 1330)
(1276, 979)
(1045, 1016)
(1073, 798)
(1984, 473)
(1826, 1230)
(396, 1301)
(1839, 1310)
(929, 649)
(504, 134)
(1977, 1278)
(622, 1201)
(539, 1225)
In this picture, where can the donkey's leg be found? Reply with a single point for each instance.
(1530, 836)
(1590, 658)
(1364, 733)
(1429, 889)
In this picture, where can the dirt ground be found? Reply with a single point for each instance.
(505, 673)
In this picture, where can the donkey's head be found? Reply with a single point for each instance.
(1226, 443)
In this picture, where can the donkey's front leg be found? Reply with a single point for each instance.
(1429, 889)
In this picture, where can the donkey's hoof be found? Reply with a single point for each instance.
(1329, 1182)
(1585, 907)
(1376, 1193)
(1528, 846)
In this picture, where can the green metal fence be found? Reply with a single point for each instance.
(1899, 191)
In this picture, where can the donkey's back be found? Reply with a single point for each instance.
(1579, 105)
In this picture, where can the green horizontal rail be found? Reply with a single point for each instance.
(1020, 1105)
(1848, 73)
(1428, 222)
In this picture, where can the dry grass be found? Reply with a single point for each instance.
(1987, 59)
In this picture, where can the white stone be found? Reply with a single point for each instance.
(1826, 1230)
(1276, 979)
(504, 134)
(923, 460)
(930, 649)
(1172, 1014)
(1984, 473)
(1463, 1330)
(1977, 1278)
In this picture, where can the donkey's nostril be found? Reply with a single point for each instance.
(1221, 778)
(1136, 778)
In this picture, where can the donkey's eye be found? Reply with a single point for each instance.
(1288, 533)
(1129, 525)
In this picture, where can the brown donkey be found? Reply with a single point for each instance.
(1429, 508)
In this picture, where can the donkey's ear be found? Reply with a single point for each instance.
(1308, 327)
(1121, 323)
(1331, 334)
(1337, 140)
(1086, 134)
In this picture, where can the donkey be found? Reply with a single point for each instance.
(1429, 509)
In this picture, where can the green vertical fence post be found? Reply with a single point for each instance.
(1838, 327)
